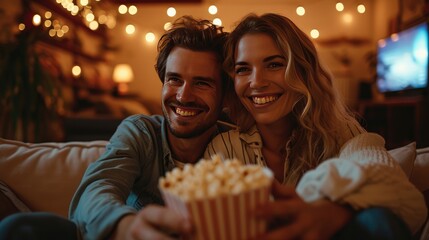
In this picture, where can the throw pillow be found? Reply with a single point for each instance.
(405, 156)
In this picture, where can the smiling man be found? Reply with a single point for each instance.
(118, 196)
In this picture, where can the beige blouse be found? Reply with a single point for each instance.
(363, 175)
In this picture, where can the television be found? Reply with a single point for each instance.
(402, 62)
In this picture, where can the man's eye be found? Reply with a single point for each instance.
(202, 83)
(241, 70)
(173, 80)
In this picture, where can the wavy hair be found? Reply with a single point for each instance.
(324, 123)
(193, 34)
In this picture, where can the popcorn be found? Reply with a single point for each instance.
(219, 197)
(213, 178)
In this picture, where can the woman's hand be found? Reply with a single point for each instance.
(292, 218)
(152, 222)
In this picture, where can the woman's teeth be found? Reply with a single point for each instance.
(263, 100)
(185, 113)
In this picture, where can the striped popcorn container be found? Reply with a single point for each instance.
(226, 217)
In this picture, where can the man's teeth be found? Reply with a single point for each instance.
(263, 100)
(182, 112)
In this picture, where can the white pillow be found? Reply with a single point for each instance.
(405, 156)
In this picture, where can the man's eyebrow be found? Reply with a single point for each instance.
(200, 78)
(172, 74)
(267, 59)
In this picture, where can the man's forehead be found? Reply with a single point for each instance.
(185, 61)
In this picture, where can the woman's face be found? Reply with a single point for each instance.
(260, 79)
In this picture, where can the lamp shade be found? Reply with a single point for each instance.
(123, 73)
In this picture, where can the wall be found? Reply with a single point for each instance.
(319, 14)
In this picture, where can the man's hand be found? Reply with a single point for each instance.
(292, 218)
(152, 222)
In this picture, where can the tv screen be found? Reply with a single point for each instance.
(402, 61)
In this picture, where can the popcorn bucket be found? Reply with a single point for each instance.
(219, 197)
(226, 217)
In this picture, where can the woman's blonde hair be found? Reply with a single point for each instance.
(324, 123)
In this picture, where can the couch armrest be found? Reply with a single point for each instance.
(45, 175)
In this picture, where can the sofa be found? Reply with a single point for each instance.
(44, 176)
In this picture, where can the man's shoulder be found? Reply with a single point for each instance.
(145, 119)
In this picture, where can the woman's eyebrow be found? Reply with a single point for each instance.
(273, 57)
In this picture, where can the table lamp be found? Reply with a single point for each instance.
(122, 75)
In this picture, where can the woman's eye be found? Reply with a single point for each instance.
(275, 65)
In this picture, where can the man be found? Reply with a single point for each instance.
(118, 195)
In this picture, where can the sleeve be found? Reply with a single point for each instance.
(365, 175)
(100, 200)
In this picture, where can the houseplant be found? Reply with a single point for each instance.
(30, 92)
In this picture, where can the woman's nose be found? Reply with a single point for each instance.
(257, 80)
(184, 94)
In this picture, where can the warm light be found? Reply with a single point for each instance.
(217, 22)
(111, 22)
(60, 33)
(314, 33)
(347, 18)
(171, 12)
(52, 32)
(381, 43)
(76, 71)
(122, 9)
(48, 23)
(361, 8)
(394, 37)
(37, 19)
(167, 26)
(93, 25)
(65, 28)
(90, 17)
(300, 11)
(212, 9)
(132, 10)
(21, 26)
(83, 2)
(339, 6)
(123, 73)
(150, 37)
(130, 29)
(48, 14)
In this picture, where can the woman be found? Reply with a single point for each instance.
(292, 121)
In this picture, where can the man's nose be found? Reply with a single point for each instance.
(257, 79)
(185, 94)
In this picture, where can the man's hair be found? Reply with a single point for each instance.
(192, 34)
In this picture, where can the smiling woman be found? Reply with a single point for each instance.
(323, 161)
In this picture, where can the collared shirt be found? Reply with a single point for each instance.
(125, 178)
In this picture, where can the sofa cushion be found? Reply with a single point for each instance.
(405, 156)
(45, 175)
(420, 173)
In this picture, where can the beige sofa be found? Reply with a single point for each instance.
(44, 176)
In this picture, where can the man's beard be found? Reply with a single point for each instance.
(195, 132)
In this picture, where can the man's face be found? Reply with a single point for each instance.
(191, 94)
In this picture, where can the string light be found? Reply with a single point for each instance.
(212, 9)
(361, 8)
(171, 12)
(130, 29)
(339, 6)
(314, 33)
(300, 10)
(217, 22)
